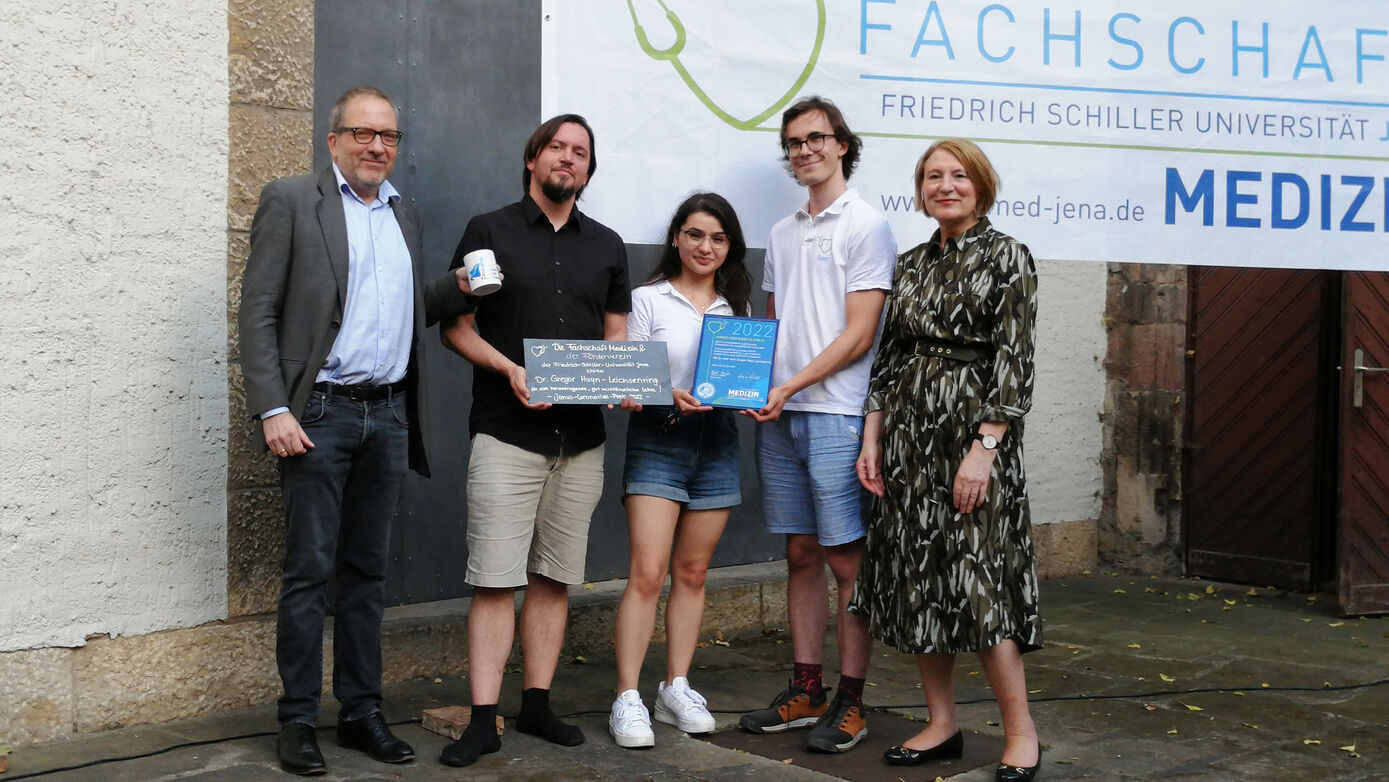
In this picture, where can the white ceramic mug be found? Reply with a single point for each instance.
(484, 276)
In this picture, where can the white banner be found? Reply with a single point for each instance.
(1237, 133)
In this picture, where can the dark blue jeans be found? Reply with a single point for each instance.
(339, 500)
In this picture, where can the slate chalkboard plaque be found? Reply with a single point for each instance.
(592, 371)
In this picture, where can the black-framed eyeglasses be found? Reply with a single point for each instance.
(364, 136)
(813, 143)
(697, 237)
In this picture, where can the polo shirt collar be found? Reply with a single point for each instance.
(836, 206)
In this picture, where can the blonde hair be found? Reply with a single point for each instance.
(977, 167)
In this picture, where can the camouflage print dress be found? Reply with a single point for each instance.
(934, 579)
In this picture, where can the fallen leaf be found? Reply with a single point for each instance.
(1033, 692)
(1085, 572)
(871, 684)
(1210, 590)
(1135, 646)
(991, 723)
(580, 659)
(1263, 684)
(1252, 593)
(1308, 619)
(1120, 592)
(1149, 707)
(1311, 741)
(438, 681)
(1172, 732)
(1237, 692)
(588, 586)
(1250, 725)
(1229, 602)
(1335, 624)
(1166, 678)
(718, 642)
(1189, 707)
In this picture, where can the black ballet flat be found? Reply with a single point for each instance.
(950, 749)
(1006, 773)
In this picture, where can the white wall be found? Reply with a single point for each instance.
(113, 399)
(1063, 441)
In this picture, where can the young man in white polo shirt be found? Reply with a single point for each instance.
(828, 270)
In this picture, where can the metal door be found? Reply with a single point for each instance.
(466, 74)
(1259, 504)
(1363, 550)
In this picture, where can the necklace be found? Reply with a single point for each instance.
(694, 300)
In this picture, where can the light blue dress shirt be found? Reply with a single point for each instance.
(373, 344)
(378, 324)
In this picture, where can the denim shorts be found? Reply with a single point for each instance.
(690, 459)
(809, 483)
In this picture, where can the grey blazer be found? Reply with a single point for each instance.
(294, 291)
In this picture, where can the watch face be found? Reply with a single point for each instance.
(990, 442)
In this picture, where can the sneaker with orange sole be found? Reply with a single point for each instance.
(842, 726)
(793, 707)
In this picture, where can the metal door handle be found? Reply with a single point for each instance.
(1358, 384)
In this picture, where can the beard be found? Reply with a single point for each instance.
(558, 191)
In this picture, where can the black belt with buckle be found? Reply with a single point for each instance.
(957, 351)
(361, 393)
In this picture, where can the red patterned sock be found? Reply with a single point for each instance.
(807, 677)
(850, 687)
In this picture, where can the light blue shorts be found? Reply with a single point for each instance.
(805, 462)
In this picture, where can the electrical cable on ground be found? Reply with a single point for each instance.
(1047, 699)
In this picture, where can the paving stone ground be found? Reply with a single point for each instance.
(1141, 679)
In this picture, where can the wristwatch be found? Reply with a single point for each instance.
(989, 442)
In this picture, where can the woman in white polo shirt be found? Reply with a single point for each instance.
(681, 477)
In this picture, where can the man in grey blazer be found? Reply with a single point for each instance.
(333, 313)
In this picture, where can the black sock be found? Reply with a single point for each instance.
(479, 738)
(537, 720)
(850, 687)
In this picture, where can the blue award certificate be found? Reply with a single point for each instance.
(734, 368)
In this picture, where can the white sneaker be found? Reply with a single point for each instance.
(682, 707)
(629, 722)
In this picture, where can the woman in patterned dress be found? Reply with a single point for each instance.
(949, 565)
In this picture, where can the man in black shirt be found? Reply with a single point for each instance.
(536, 471)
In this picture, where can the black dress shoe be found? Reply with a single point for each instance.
(370, 735)
(1006, 773)
(297, 747)
(950, 749)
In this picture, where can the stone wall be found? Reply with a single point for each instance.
(113, 363)
(271, 125)
(1140, 522)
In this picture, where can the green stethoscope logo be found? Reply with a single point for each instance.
(672, 54)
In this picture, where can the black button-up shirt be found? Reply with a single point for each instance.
(558, 285)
